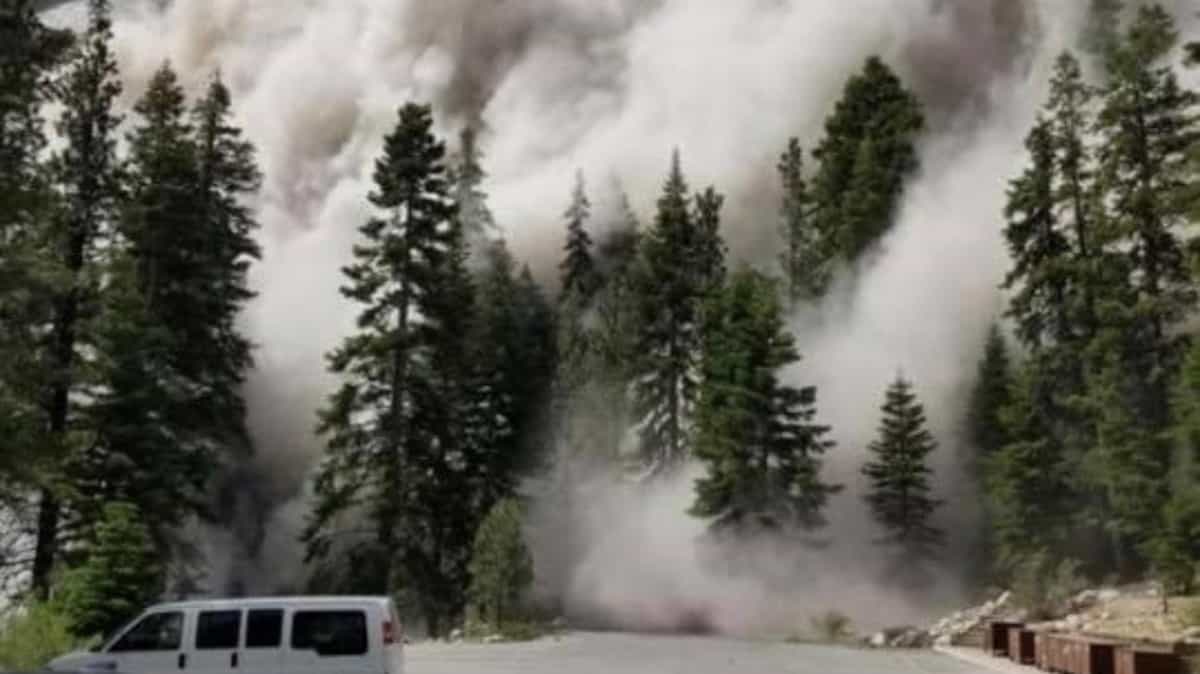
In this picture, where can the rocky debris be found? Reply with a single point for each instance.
(900, 637)
(949, 629)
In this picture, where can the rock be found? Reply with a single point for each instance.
(456, 635)
(1191, 633)
(493, 639)
(878, 640)
(1108, 594)
(906, 637)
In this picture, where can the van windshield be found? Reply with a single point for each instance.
(109, 639)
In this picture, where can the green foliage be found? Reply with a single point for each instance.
(378, 424)
(121, 575)
(1148, 126)
(29, 51)
(34, 633)
(578, 268)
(1043, 583)
(803, 261)
(991, 394)
(1175, 550)
(832, 627)
(755, 435)
(1025, 479)
(682, 261)
(86, 172)
(899, 492)
(863, 160)
(501, 566)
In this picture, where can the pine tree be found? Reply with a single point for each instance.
(1038, 248)
(1026, 479)
(756, 435)
(378, 445)
(863, 160)
(1148, 125)
(1148, 128)
(228, 177)
(578, 267)
(163, 417)
(122, 575)
(617, 249)
(991, 395)
(681, 258)
(515, 376)
(450, 496)
(28, 53)
(86, 176)
(803, 260)
(900, 495)
(501, 566)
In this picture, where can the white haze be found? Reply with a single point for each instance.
(611, 86)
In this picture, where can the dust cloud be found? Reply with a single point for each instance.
(610, 87)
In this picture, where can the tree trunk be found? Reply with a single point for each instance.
(47, 543)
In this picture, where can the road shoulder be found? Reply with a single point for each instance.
(978, 658)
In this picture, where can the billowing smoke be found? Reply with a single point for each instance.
(611, 86)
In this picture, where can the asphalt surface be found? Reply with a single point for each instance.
(586, 653)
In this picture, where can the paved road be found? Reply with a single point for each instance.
(628, 654)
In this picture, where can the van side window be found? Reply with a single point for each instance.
(330, 633)
(264, 628)
(218, 629)
(155, 632)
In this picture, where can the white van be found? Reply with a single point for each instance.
(275, 635)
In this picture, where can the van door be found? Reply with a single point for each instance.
(152, 646)
(331, 640)
(215, 647)
(262, 649)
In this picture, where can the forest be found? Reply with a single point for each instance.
(127, 240)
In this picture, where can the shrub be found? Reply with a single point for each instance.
(1043, 586)
(121, 574)
(501, 566)
(831, 626)
(34, 633)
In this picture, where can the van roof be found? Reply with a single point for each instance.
(275, 601)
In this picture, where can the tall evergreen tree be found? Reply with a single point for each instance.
(157, 428)
(228, 177)
(29, 51)
(864, 158)
(86, 176)
(756, 435)
(454, 490)
(1038, 248)
(378, 445)
(1149, 126)
(1027, 484)
(681, 254)
(578, 267)
(804, 262)
(991, 395)
(900, 495)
